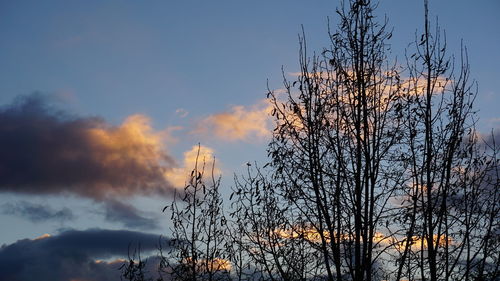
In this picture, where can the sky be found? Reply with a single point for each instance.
(103, 105)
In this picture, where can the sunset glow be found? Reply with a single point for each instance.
(249, 140)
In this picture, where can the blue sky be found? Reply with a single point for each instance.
(181, 66)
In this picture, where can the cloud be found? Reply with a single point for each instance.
(45, 150)
(71, 255)
(239, 123)
(131, 217)
(36, 212)
(200, 156)
(181, 112)
(209, 265)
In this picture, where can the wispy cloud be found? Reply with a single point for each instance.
(128, 215)
(36, 212)
(181, 112)
(239, 123)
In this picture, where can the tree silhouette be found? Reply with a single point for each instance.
(452, 203)
(334, 150)
(376, 172)
(196, 248)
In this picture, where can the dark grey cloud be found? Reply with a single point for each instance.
(36, 212)
(72, 255)
(128, 215)
(46, 150)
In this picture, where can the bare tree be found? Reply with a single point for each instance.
(376, 172)
(274, 237)
(134, 268)
(333, 154)
(451, 206)
(382, 165)
(197, 242)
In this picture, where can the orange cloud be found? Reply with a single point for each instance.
(312, 235)
(214, 265)
(135, 137)
(196, 156)
(239, 123)
(250, 122)
(134, 149)
(418, 86)
(118, 261)
(417, 242)
(44, 236)
(50, 151)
